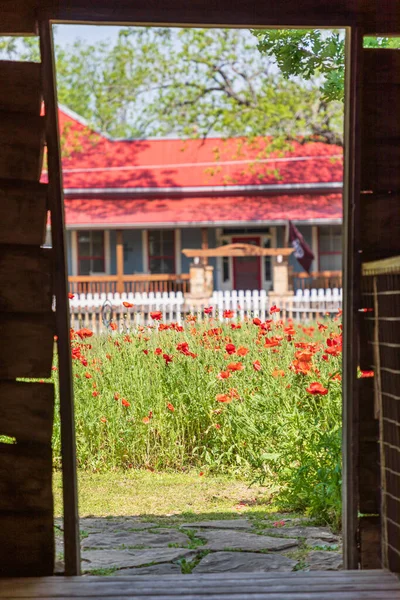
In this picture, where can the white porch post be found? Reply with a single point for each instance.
(315, 247)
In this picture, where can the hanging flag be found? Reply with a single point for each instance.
(302, 250)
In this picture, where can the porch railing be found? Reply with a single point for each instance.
(143, 283)
(317, 280)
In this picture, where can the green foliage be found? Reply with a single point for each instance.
(187, 83)
(314, 54)
(134, 411)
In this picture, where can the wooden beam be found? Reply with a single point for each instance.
(247, 13)
(351, 293)
(120, 261)
(237, 250)
(56, 205)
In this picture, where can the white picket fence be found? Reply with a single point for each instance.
(88, 310)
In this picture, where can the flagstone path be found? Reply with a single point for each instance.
(130, 546)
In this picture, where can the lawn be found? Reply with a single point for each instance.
(171, 496)
(259, 401)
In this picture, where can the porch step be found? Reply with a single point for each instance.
(321, 585)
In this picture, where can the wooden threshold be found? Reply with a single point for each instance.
(321, 585)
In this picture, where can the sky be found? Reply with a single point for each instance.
(66, 34)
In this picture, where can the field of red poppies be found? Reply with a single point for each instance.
(260, 400)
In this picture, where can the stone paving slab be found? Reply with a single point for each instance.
(161, 538)
(108, 559)
(322, 533)
(92, 524)
(244, 562)
(228, 524)
(240, 540)
(322, 560)
(162, 569)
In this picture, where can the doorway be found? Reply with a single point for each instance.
(247, 269)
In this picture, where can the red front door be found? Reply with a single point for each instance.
(247, 269)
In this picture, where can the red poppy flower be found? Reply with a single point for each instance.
(235, 366)
(325, 357)
(156, 315)
(271, 342)
(230, 348)
(208, 310)
(223, 375)
(236, 326)
(84, 333)
(278, 373)
(146, 420)
(316, 389)
(71, 296)
(228, 314)
(256, 321)
(108, 356)
(103, 419)
(242, 351)
(158, 351)
(94, 394)
(201, 473)
(300, 368)
(170, 407)
(217, 426)
(113, 326)
(322, 327)
(303, 356)
(224, 398)
(125, 403)
(257, 365)
(128, 339)
(54, 368)
(116, 396)
(274, 309)
(168, 358)
(128, 304)
(88, 376)
(145, 352)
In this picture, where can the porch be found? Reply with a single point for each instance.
(342, 585)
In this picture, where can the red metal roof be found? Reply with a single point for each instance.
(191, 211)
(93, 161)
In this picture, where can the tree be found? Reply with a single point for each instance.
(190, 83)
(310, 54)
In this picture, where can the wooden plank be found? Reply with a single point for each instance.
(370, 543)
(237, 250)
(117, 588)
(380, 165)
(25, 477)
(380, 120)
(21, 150)
(27, 410)
(23, 212)
(309, 13)
(26, 276)
(26, 348)
(380, 225)
(368, 436)
(351, 294)
(381, 66)
(18, 17)
(56, 205)
(26, 544)
(20, 87)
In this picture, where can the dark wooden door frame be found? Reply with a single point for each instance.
(351, 186)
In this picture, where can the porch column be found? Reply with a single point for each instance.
(120, 261)
(204, 244)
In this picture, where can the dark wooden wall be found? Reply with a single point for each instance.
(26, 330)
(376, 16)
(379, 463)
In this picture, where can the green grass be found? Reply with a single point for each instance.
(165, 498)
